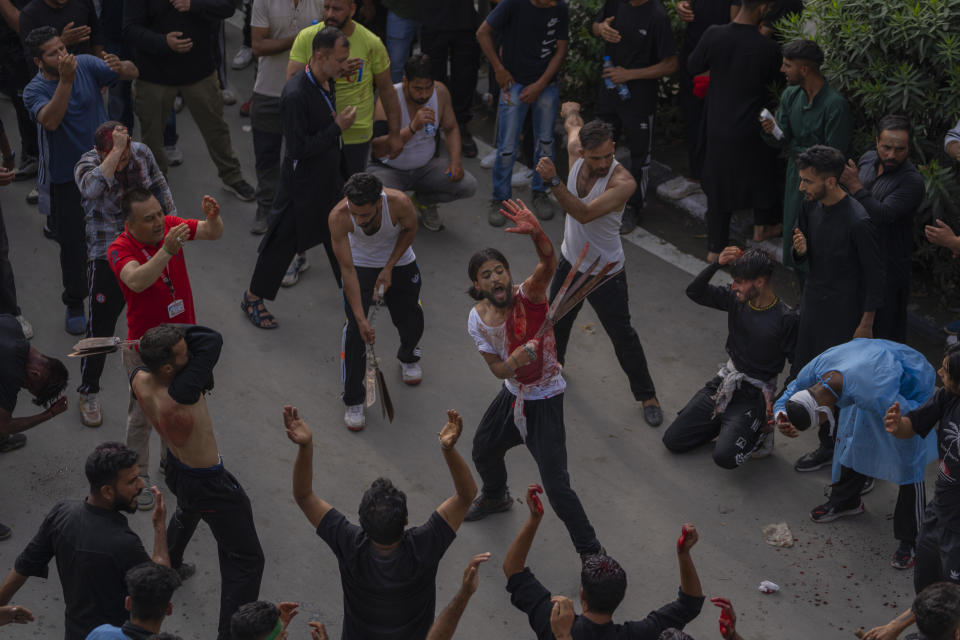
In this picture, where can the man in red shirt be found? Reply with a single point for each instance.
(150, 268)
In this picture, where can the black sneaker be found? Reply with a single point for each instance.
(903, 557)
(5, 532)
(186, 571)
(816, 459)
(484, 506)
(868, 485)
(829, 512)
(543, 206)
(467, 145)
(242, 189)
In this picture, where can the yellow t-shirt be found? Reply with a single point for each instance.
(352, 91)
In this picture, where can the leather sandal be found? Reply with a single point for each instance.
(257, 312)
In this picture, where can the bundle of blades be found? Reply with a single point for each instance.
(375, 382)
(572, 291)
(97, 346)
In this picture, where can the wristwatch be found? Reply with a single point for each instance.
(555, 181)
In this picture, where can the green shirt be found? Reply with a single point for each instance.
(355, 90)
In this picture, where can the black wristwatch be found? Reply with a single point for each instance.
(555, 181)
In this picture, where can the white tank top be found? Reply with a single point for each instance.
(602, 233)
(421, 148)
(374, 250)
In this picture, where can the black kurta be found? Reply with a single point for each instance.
(846, 275)
(739, 170)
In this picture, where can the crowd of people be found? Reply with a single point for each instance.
(358, 137)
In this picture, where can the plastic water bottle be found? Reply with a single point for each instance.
(430, 129)
(620, 88)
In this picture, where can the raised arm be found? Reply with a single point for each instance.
(702, 292)
(689, 580)
(51, 114)
(516, 558)
(211, 227)
(535, 287)
(613, 199)
(456, 506)
(299, 433)
(204, 346)
(446, 623)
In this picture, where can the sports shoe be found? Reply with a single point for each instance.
(74, 321)
(174, 156)
(48, 232)
(494, 217)
(487, 161)
(186, 570)
(827, 512)
(868, 485)
(628, 222)
(543, 206)
(467, 144)
(521, 177)
(242, 189)
(25, 326)
(12, 442)
(411, 372)
(5, 531)
(178, 104)
(243, 58)
(903, 557)
(260, 224)
(430, 217)
(764, 446)
(297, 266)
(484, 506)
(28, 169)
(145, 500)
(33, 198)
(90, 414)
(354, 418)
(228, 96)
(816, 459)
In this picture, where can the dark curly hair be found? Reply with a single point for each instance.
(604, 583)
(383, 512)
(104, 464)
(476, 261)
(254, 620)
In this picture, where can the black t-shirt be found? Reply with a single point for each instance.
(80, 12)
(646, 38)
(529, 36)
(449, 15)
(13, 361)
(942, 411)
(94, 549)
(390, 597)
(706, 13)
(531, 597)
(759, 340)
(780, 9)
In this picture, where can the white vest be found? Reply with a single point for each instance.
(602, 233)
(374, 250)
(420, 149)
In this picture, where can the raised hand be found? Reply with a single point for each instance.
(67, 68)
(688, 538)
(119, 139)
(561, 617)
(72, 35)
(471, 575)
(546, 168)
(729, 255)
(211, 208)
(317, 631)
(533, 501)
(287, 612)
(520, 215)
(451, 431)
(728, 618)
(159, 507)
(297, 430)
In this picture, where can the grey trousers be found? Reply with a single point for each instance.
(429, 183)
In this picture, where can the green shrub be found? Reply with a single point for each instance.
(899, 56)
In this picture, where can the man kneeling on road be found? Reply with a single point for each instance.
(425, 106)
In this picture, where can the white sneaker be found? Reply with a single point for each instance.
(178, 104)
(243, 58)
(354, 418)
(487, 161)
(90, 414)
(764, 446)
(297, 266)
(411, 372)
(521, 177)
(26, 327)
(229, 97)
(174, 156)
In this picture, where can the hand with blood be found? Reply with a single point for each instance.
(688, 538)
(533, 500)
(728, 618)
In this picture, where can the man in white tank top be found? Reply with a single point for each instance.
(372, 231)
(594, 197)
(425, 108)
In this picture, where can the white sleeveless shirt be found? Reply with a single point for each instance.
(374, 250)
(602, 233)
(419, 149)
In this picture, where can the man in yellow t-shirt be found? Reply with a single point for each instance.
(369, 64)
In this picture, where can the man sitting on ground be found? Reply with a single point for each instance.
(425, 107)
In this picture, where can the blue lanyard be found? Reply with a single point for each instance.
(306, 70)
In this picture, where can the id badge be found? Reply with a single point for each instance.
(175, 308)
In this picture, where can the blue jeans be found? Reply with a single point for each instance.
(511, 113)
(400, 34)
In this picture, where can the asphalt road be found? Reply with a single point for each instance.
(835, 578)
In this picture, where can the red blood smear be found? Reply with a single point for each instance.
(682, 539)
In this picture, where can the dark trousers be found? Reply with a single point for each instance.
(938, 552)
(216, 497)
(120, 100)
(461, 49)
(8, 289)
(267, 148)
(106, 305)
(737, 429)
(630, 116)
(547, 442)
(611, 306)
(890, 321)
(402, 299)
(718, 225)
(692, 109)
(16, 74)
(907, 515)
(71, 228)
(356, 157)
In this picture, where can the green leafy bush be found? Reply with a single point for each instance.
(899, 56)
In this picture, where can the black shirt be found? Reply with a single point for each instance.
(529, 36)
(449, 15)
(942, 411)
(146, 24)
(646, 38)
(531, 597)
(706, 13)
(94, 549)
(80, 12)
(13, 361)
(759, 340)
(387, 597)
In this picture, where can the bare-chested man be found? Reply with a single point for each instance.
(179, 361)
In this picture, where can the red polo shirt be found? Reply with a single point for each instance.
(153, 306)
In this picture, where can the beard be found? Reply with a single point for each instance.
(508, 297)
(333, 22)
(129, 507)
